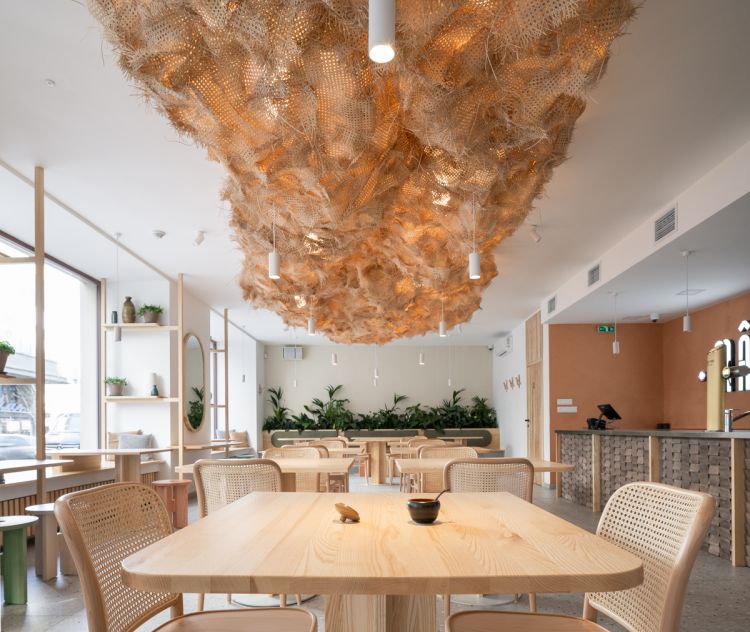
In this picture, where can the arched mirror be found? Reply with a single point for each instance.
(194, 383)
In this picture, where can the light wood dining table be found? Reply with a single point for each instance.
(419, 467)
(381, 574)
(292, 466)
(127, 461)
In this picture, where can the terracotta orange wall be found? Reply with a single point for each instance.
(583, 368)
(685, 355)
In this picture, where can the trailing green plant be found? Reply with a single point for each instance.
(156, 309)
(116, 380)
(279, 418)
(7, 347)
(196, 407)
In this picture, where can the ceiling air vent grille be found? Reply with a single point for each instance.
(666, 224)
(594, 274)
(291, 353)
(551, 304)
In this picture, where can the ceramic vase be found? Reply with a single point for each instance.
(115, 390)
(150, 317)
(3, 359)
(128, 310)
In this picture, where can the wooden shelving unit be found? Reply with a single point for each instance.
(141, 327)
(17, 379)
(137, 399)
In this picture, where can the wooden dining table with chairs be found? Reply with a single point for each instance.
(383, 573)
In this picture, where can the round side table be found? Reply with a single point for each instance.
(45, 540)
(14, 557)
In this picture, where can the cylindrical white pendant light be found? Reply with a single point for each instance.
(616, 342)
(382, 30)
(475, 270)
(421, 358)
(274, 265)
(442, 329)
(687, 321)
(334, 360)
(310, 326)
(616, 347)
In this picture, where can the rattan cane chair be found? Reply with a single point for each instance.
(515, 476)
(220, 482)
(408, 482)
(303, 482)
(330, 482)
(665, 527)
(434, 482)
(104, 525)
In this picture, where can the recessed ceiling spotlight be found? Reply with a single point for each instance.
(199, 237)
(50, 83)
(159, 234)
(535, 234)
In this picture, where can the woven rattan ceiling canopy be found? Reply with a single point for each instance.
(372, 174)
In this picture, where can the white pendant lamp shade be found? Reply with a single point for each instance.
(376, 373)
(382, 30)
(310, 326)
(475, 270)
(334, 360)
(274, 265)
(616, 347)
(442, 329)
(421, 358)
(687, 323)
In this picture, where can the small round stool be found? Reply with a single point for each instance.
(174, 494)
(14, 557)
(45, 540)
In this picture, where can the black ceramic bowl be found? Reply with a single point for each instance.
(423, 510)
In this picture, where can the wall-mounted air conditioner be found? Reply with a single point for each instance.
(504, 347)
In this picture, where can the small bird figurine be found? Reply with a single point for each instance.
(347, 513)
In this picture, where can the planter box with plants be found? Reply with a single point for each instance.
(320, 418)
(115, 386)
(6, 349)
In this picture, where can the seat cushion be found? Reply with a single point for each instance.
(257, 620)
(494, 621)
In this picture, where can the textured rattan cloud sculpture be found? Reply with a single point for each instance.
(371, 173)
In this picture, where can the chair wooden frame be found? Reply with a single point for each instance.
(665, 526)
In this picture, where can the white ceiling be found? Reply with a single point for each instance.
(674, 102)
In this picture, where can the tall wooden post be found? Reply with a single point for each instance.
(41, 481)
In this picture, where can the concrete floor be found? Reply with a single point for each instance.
(717, 592)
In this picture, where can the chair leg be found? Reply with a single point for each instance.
(298, 597)
(229, 599)
(446, 606)
(532, 602)
(282, 600)
(201, 602)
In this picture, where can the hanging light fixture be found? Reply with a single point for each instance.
(475, 268)
(375, 372)
(294, 381)
(118, 329)
(311, 321)
(450, 365)
(334, 360)
(274, 263)
(535, 230)
(421, 358)
(442, 327)
(381, 30)
(687, 321)
(616, 342)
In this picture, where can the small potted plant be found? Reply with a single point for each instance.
(115, 386)
(150, 313)
(6, 349)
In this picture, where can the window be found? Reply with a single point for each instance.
(71, 325)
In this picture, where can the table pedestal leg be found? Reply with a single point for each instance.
(128, 468)
(14, 566)
(288, 482)
(380, 613)
(45, 547)
(378, 466)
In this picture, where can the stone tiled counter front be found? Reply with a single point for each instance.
(717, 463)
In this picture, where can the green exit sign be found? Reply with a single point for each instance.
(606, 329)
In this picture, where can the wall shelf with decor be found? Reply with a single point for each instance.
(141, 398)
(17, 379)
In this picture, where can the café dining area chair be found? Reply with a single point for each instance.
(106, 524)
(304, 482)
(515, 476)
(665, 527)
(434, 482)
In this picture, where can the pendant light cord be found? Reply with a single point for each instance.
(687, 284)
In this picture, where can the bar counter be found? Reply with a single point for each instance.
(717, 463)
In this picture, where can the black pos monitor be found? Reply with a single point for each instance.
(605, 410)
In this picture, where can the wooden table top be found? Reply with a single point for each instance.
(22, 465)
(294, 543)
(299, 466)
(115, 451)
(406, 451)
(434, 465)
(344, 452)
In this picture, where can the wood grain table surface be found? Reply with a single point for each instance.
(382, 573)
(436, 465)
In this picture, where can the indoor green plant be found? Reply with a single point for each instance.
(6, 349)
(115, 386)
(150, 313)
(196, 407)
(279, 417)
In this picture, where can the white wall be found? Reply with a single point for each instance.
(398, 368)
(511, 404)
